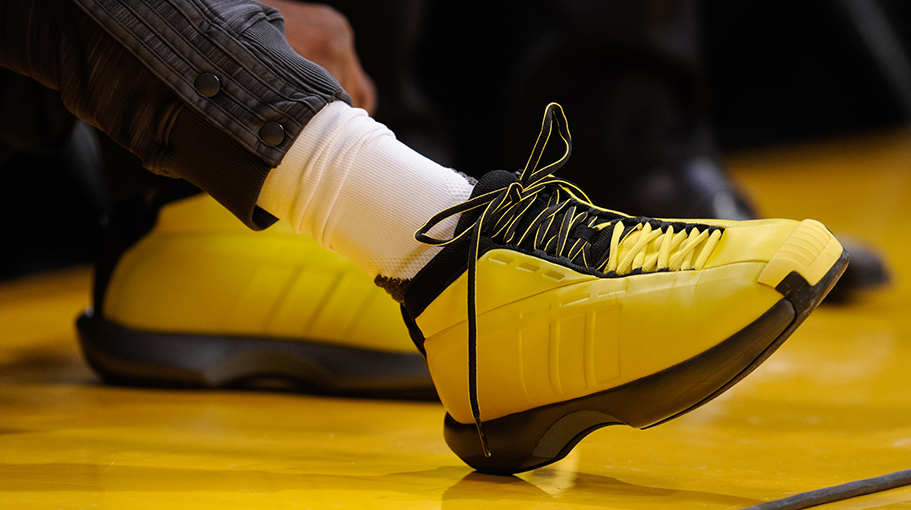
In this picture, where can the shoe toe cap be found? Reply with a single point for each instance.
(811, 251)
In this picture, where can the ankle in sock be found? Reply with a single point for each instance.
(352, 186)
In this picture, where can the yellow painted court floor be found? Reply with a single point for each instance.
(831, 406)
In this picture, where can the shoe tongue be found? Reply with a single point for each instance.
(491, 181)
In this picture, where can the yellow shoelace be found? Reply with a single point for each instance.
(554, 218)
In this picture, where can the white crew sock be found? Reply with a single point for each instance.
(349, 184)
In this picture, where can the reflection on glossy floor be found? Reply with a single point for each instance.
(833, 405)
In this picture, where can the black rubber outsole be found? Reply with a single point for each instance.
(541, 436)
(126, 356)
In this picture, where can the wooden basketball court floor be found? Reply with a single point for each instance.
(831, 406)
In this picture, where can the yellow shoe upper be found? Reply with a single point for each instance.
(547, 333)
(200, 271)
(562, 299)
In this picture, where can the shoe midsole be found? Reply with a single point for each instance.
(144, 357)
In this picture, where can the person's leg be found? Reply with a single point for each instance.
(327, 187)
(214, 95)
(541, 316)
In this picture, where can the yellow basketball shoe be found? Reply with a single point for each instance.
(201, 300)
(546, 317)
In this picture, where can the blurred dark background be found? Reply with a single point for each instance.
(789, 71)
(457, 80)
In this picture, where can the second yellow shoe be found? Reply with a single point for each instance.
(202, 301)
(547, 317)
